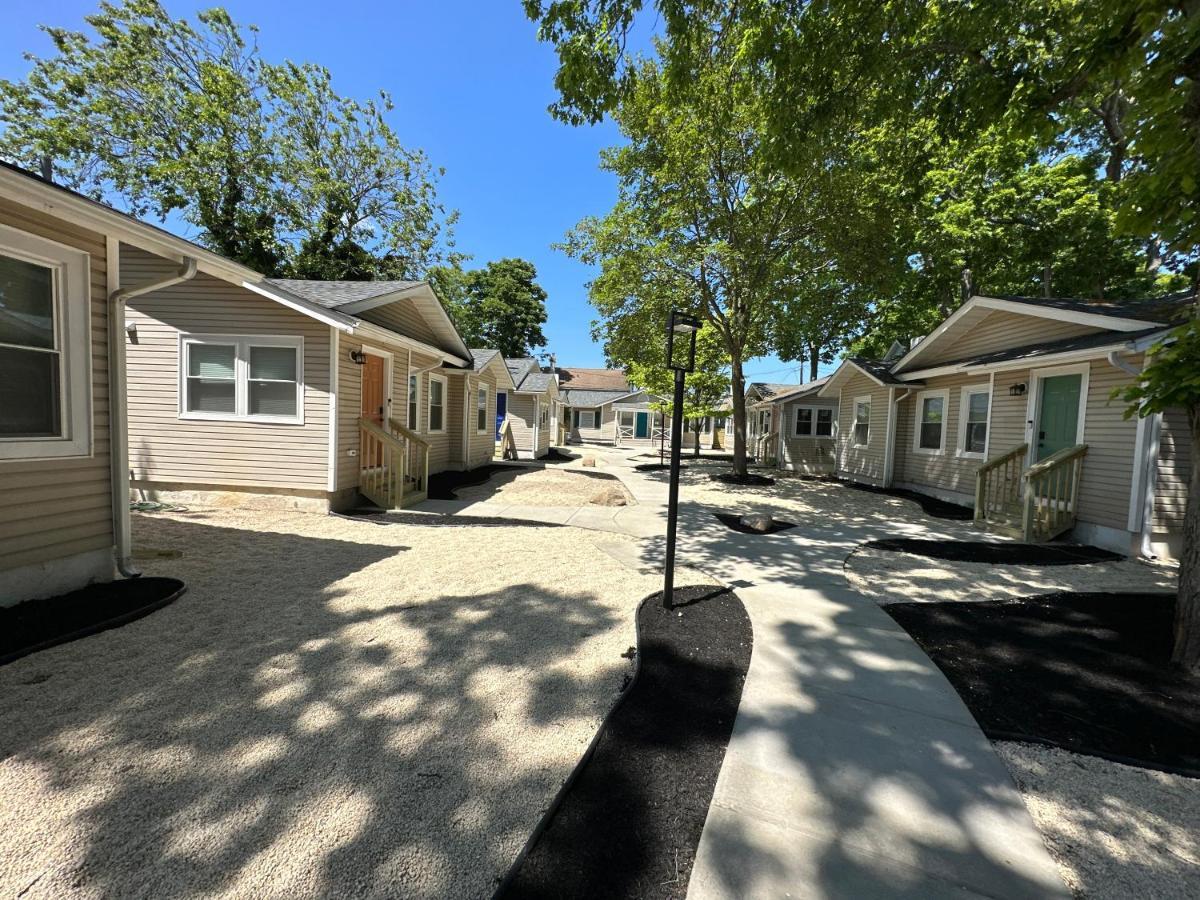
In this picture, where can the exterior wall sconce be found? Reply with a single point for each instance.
(358, 357)
(1017, 390)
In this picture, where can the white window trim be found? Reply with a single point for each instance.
(964, 407)
(388, 361)
(481, 389)
(73, 316)
(414, 386)
(241, 391)
(1033, 405)
(917, 420)
(816, 411)
(588, 412)
(441, 379)
(866, 399)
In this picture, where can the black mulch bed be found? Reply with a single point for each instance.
(998, 553)
(932, 506)
(557, 455)
(733, 522)
(657, 467)
(39, 624)
(1085, 672)
(749, 480)
(443, 485)
(629, 823)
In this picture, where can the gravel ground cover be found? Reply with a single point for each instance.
(1087, 672)
(629, 824)
(1115, 831)
(333, 709)
(562, 486)
(889, 577)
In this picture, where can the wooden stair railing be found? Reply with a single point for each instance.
(506, 445)
(381, 459)
(416, 463)
(998, 488)
(1052, 494)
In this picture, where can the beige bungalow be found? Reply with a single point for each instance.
(303, 394)
(603, 407)
(761, 438)
(1007, 407)
(804, 439)
(531, 408)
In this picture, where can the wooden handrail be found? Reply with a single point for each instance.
(1054, 459)
(407, 433)
(382, 433)
(997, 461)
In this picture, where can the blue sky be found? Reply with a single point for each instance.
(471, 84)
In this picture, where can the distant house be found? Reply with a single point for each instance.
(602, 407)
(804, 437)
(302, 394)
(761, 436)
(1007, 406)
(531, 407)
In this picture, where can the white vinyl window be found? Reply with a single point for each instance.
(862, 421)
(813, 421)
(45, 390)
(930, 432)
(437, 404)
(257, 379)
(974, 415)
(414, 402)
(586, 418)
(481, 406)
(544, 414)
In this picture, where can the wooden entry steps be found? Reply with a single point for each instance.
(393, 465)
(1037, 503)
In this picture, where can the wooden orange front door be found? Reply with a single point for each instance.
(372, 389)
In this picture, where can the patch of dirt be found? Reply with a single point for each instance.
(39, 624)
(550, 487)
(998, 552)
(629, 823)
(748, 480)
(1086, 672)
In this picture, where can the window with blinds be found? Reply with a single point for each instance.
(252, 378)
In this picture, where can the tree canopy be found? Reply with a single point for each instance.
(500, 306)
(266, 161)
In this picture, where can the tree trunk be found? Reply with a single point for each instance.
(738, 386)
(1186, 653)
(696, 428)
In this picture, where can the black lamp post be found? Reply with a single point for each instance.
(681, 358)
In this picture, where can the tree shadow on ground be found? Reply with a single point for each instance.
(274, 733)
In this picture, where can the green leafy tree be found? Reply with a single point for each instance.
(270, 166)
(500, 306)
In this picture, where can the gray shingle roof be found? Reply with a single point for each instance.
(535, 381)
(481, 358)
(1171, 308)
(1065, 345)
(591, 398)
(800, 390)
(332, 294)
(877, 368)
(769, 389)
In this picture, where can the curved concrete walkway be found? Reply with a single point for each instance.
(854, 770)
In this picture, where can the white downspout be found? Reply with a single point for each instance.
(118, 415)
(1145, 465)
(889, 448)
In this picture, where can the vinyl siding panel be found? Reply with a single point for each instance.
(862, 463)
(481, 448)
(810, 455)
(1111, 439)
(58, 508)
(163, 448)
(998, 330)
(400, 316)
(948, 470)
(605, 433)
(1175, 458)
(521, 418)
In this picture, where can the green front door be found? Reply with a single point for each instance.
(1058, 414)
(642, 428)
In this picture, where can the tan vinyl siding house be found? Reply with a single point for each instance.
(1171, 482)
(808, 431)
(56, 512)
(984, 373)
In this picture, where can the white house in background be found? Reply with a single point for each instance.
(531, 406)
(1007, 406)
(603, 407)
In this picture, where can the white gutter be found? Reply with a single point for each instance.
(1145, 464)
(118, 415)
(1116, 362)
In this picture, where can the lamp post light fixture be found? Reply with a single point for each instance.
(681, 358)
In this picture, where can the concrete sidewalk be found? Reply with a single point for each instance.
(854, 770)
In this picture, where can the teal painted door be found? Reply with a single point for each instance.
(1058, 414)
(642, 428)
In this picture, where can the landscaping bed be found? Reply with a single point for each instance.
(1085, 672)
(733, 521)
(932, 506)
(998, 553)
(445, 485)
(628, 823)
(657, 467)
(40, 624)
(748, 480)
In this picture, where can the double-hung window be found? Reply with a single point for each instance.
(972, 438)
(253, 378)
(544, 414)
(862, 421)
(414, 402)
(585, 418)
(481, 416)
(44, 348)
(813, 421)
(437, 404)
(930, 431)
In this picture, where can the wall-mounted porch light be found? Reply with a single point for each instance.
(1017, 390)
(358, 357)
